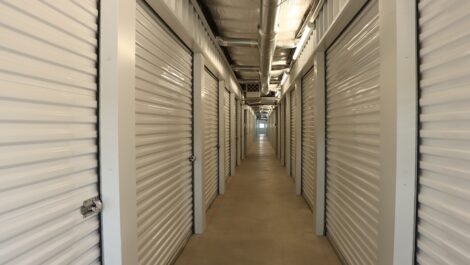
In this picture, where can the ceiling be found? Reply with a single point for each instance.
(239, 19)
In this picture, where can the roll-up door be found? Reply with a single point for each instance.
(443, 220)
(163, 140)
(353, 136)
(308, 139)
(48, 132)
(227, 133)
(210, 99)
(292, 133)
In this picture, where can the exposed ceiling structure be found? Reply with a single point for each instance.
(251, 44)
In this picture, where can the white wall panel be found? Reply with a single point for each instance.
(48, 132)
(443, 221)
(163, 140)
(353, 133)
(210, 108)
(309, 156)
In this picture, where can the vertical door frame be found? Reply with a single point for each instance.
(287, 133)
(198, 144)
(233, 134)
(320, 135)
(117, 132)
(283, 132)
(221, 137)
(298, 136)
(399, 104)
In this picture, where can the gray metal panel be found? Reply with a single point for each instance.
(210, 106)
(227, 144)
(163, 140)
(48, 132)
(292, 132)
(353, 139)
(309, 156)
(443, 221)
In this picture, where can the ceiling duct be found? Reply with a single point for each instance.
(268, 30)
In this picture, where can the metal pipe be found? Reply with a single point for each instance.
(268, 30)
(234, 42)
(252, 68)
(228, 42)
(248, 81)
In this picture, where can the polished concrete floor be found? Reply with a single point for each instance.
(259, 220)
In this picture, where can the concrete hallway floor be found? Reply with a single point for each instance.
(259, 220)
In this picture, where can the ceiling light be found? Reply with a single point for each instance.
(302, 41)
(284, 79)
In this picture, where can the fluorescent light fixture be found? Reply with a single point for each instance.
(301, 43)
(284, 79)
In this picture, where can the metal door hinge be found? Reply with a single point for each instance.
(91, 206)
(192, 158)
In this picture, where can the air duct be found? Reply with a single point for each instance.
(267, 40)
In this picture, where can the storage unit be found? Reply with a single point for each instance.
(227, 144)
(308, 139)
(210, 108)
(353, 137)
(443, 220)
(48, 132)
(292, 133)
(163, 140)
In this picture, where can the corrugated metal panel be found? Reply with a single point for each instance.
(199, 34)
(48, 132)
(210, 106)
(353, 137)
(308, 139)
(163, 140)
(292, 132)
(443, 224)
(227, 144)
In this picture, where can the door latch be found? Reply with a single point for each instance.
(91, 206)
(192, 158)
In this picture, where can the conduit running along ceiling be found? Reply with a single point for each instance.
(240, 19)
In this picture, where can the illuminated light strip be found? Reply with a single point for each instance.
(302, 41)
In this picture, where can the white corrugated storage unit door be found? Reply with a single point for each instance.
(292, 133)
(48, 132)
(210, 106)
(353, 136)
(308, 139)
(443, 225)
(227, 151)
(163, 140)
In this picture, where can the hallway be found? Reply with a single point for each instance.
(259, 220)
